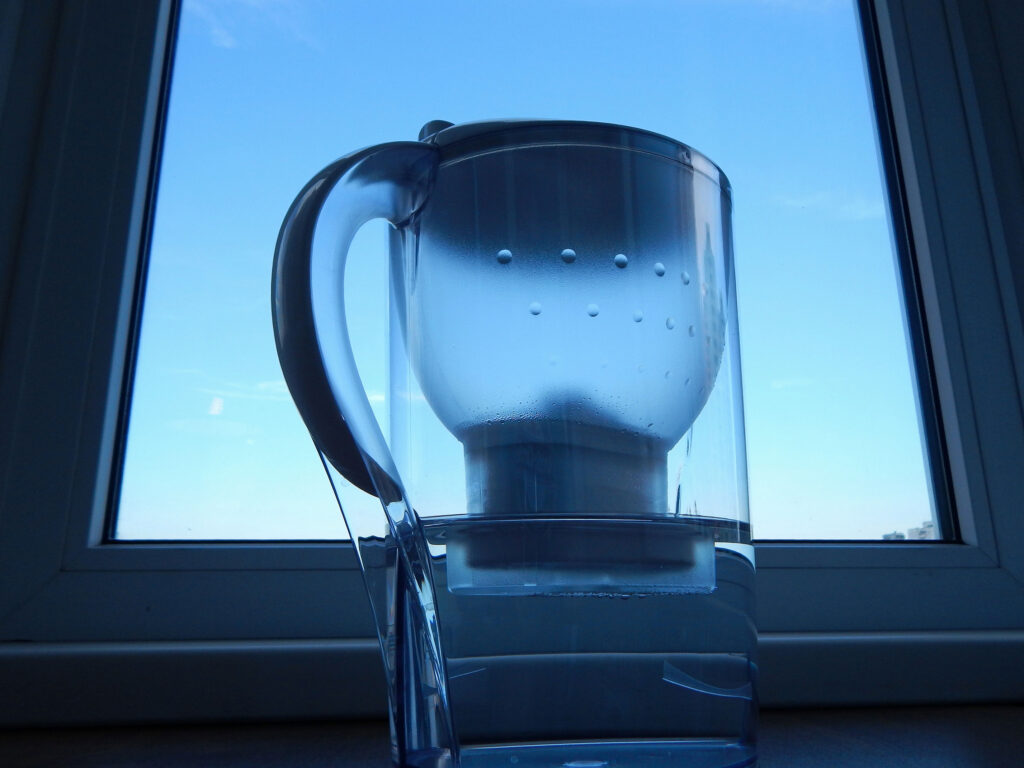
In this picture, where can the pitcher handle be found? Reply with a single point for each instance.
(389, 181)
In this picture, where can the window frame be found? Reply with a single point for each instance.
(99, 625)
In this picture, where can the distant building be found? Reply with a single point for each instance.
(926, 531)
(894, 536)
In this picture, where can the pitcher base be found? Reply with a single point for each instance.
(625, 753)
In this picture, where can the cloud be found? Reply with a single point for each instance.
(219, 34)
(225, 18)
(275, 390)
(275, 387)
(849, 209)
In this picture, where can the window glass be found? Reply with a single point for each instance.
(266, 93)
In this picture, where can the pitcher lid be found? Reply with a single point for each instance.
(459, 141)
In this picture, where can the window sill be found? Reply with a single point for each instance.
(919, 737)
(102, 683)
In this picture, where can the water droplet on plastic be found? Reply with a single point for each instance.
(638, 316)
(659, 269)
(504, 256)
(686, 278)
(535, 308)
(692, 331)
(568, 255)
(593, 309)
(670, 323)
(621, 261)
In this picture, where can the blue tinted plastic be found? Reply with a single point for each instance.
(560, 562)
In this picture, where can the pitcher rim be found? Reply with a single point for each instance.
(466, 140)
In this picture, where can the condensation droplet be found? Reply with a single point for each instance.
(568, 255)
(535, 308)
(692, 331)
(670, 323)
(638, 316)
(621, 261)
(504, 256)
(593, 309)
(686, 278)
(659, 269)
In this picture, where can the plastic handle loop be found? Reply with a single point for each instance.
(389, 181)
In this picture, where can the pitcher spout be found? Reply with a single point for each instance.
(391, 549)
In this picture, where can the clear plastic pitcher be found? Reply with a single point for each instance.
(552, 520)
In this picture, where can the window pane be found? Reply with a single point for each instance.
(265, 94)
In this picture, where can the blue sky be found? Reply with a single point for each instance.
(266, 92)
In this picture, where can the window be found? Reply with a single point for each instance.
(215, 449)
(81, 90)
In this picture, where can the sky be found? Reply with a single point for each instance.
(267, 92)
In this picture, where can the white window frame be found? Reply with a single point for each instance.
(93, 631)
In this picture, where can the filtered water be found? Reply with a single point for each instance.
(611, 642)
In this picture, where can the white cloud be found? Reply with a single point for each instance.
(847, 209)
(276, 387)
(226, 18)
(219, 34)
(216, 406)
(262, 390)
